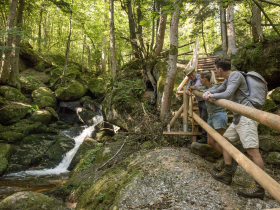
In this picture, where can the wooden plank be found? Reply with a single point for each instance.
(181, 133)
(178, 47)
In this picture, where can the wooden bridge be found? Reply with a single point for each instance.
(189, 112)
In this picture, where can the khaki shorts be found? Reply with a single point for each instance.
(246, 131)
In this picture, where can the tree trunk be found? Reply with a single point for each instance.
(159, 44)
(153, 28)
(132, 31)
(40, 29)
(223, 30)
(14, 76)
(231, 29)
(256, 23)
(171, 72)
(112, 39)
(202, 33)
(89, 57)
(6, 56)
(104, 42)
(84, 43)
(63, 79)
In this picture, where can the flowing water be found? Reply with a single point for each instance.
(41, 180)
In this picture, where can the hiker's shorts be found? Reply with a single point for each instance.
(218, 120)
(246, 131)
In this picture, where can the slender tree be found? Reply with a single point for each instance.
(223, 30)
(231, 29)
(5, 68)
(256, 23)
(67, 46)
(14, 76)
(112, 38)
(104, 43)
(171, 72)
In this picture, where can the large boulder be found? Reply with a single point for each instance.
(12, 137)
(44, 97)
(42, 116)
(31, 200)
(205, 150)
(73, 90)
(13, 112)
(11, 94)
(97, 86)
(53, 113)
(29, 83)
(87, 145)
(5, 156)
(39, 151)
(99, 134)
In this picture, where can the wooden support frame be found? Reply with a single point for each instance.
(186, 113)
(178, 47)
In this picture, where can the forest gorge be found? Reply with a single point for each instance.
(87, 89)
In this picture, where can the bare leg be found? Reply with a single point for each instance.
(254, 153)
(213, 143)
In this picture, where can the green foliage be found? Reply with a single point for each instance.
(126, 90)
(101, 197)
(87, 161)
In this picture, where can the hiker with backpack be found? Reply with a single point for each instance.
(235, 89)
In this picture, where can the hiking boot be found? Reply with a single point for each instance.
(203, 140)
(225, 176)
(219, 167)
(254, 191)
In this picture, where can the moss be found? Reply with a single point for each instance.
(274, 158)
(269, 106)
(275, 95)
(42, 116)
(44, 97)
(12, 137)
(29, 83)
(149, 145)
(173, 50)
(11, 94)
(72, 91)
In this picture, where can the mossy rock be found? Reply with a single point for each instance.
(86, 116)
(42, 116)
(29, 83)
(31, 200)
(99, 134)
(72, 91)
(53, 112)
(87, 145)
(204, 150)
(3, 101)
(13, 112)
(273, 158)
(149, 145)
(6, 151)
(269, 143)
(44, 97)
(12, 137)
(11, 94)
(2, 128)
(97, 86)
(275, 95)
(264, 130)
(269, 106)
(84, 99)
(25, 127)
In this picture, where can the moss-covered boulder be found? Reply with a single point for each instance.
(73, 90)
(42, 116)
(12, 137)
(5, 155)
(13, 112)
(160, 74)
(29, 83)
(3, 101)
(11, 94)
(275, 95)
(273, 158)
(269, 143)
(44, 97)
(55, 116)
(31, 200)
(99, 134)
(26, 127)
(205, 150)
(62, 145)
(87, 145)
(269, 106)
(97, 86)
(86, 116)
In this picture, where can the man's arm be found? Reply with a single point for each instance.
(233, 83)
(220, 89)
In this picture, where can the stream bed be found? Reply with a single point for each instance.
(46, 179)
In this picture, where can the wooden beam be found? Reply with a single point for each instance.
(178, 47)
(271, 2)
(185, 53)
(269, 184)
(176, 116)
(181, 133)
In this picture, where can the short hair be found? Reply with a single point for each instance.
(223, 63)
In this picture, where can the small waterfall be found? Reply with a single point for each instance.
(64, 164)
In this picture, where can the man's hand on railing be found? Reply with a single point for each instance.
(206, 95)
(188, 92)
(194, 87)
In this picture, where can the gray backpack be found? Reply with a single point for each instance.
(257, 87)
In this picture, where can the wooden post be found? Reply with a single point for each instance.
(186, 114)
(269, 184)
(177, 115)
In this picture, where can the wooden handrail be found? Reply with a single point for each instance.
(185, 53)
(269, 184)
(178, 47)
(268, 119)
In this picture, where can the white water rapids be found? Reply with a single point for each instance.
(64, 164)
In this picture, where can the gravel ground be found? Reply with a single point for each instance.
(178, 179)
